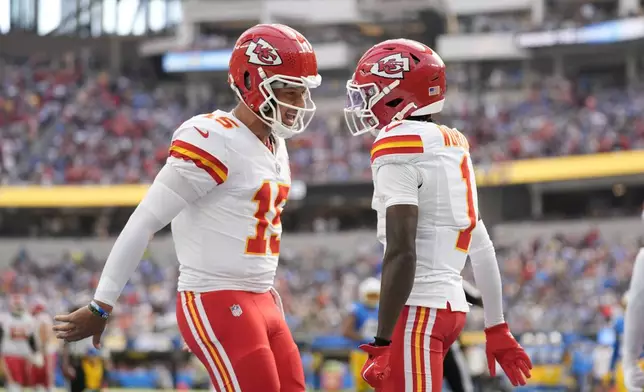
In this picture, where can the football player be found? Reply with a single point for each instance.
(633, 327)
(18, 345)
(360, 326)
(223, 188)
(426, 201)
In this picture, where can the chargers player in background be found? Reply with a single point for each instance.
(426, 201)
(223, 188)
(43, 376)
(615, 375)
(634, 327)
(18, 345)
(361, 325)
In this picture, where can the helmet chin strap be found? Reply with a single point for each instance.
(403, 113)
(386, 90)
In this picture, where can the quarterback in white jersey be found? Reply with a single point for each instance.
(428, 219)
(223, 188)
(18, 345)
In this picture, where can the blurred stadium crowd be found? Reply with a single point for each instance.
(584, 276)
(566, 283)
(76, 125)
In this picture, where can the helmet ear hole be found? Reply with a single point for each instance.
(247, 82)
(394, 102)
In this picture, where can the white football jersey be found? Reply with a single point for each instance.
(16, 330)
(229, 239)
(429, 165)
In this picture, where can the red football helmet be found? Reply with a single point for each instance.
(270, 56)
(395, 79)
(38, 305)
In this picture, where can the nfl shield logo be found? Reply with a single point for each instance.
(236, 310)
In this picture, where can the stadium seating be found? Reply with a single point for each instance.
(63, 128)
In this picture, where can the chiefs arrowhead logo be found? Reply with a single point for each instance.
(261, 52)
(393, 66)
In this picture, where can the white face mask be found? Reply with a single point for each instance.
(270, 112)
(357, 112)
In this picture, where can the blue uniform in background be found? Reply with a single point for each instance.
(366, 321)
(366, 324)
(618, 327)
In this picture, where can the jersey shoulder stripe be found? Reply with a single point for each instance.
(400, 144)
(189, 152)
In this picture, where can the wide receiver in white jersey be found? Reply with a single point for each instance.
(634, 327)
(224, 187)
(426, 200)
(18, 345)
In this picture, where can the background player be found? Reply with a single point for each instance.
(18, 345)
(426, 200)
(223, 187)
(42, 377)
(634, 327)
(360, 325)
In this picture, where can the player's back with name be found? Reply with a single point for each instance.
(447, 202)
(229, 238)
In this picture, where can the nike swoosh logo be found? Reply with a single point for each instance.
(364, 373)
(205, 134)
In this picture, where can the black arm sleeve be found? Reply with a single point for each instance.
(473, 296)
(32, 343)
(1, 336)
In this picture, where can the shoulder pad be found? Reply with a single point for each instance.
(200, 144)
(399, 128)
(451, 137)
(399, 141)
(204, 126)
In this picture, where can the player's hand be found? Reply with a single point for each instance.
(633, 377)
(37, 360)
(376, 369)
(79, 325)
(69, 372)
(501, 347)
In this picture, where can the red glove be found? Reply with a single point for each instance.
(376, 369)
(501, 346)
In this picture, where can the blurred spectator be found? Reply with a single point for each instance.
(562, 283)
(68, 125)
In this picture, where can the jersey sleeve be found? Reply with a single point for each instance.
(398, 142)
(398, 183)
(199, 152)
